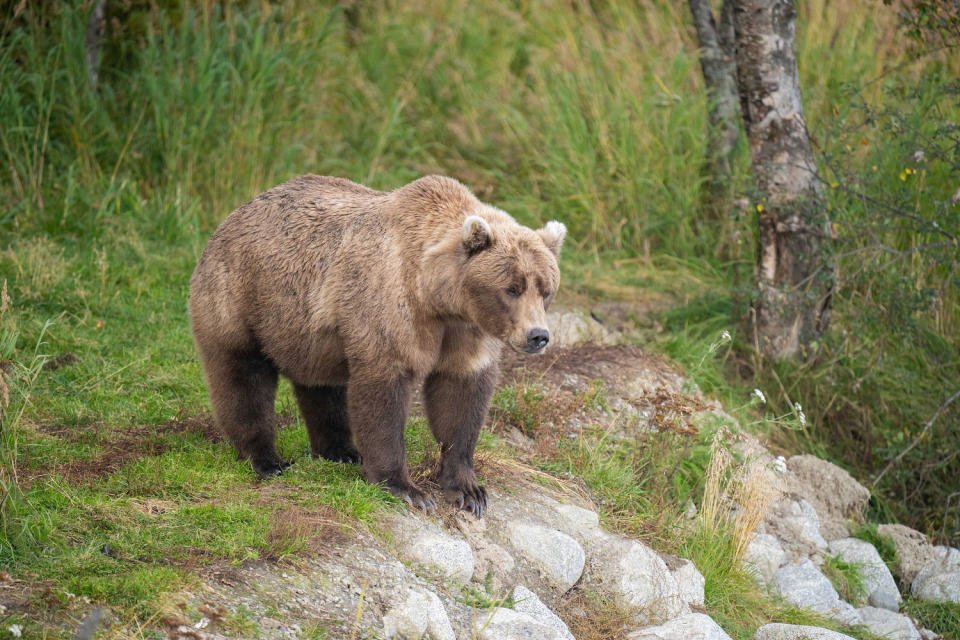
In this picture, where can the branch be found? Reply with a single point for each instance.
(920, 436)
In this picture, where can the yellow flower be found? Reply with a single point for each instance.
(903, 175)
(834, 185)
(759, 208)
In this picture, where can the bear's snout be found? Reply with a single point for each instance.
(537, 339)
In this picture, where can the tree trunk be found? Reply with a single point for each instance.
(718, 62)
(94, 41)
(795, 271)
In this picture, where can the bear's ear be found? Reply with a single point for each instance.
(476, 234)
(553, 235)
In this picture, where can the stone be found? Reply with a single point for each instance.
(939, 579)
(835, 495)
(913, 550)
(559, 557)
(526, 601)
(763, 557)
(693, 626)
(877, 580)
(887, 624)
(780, 631)
(796, 526)
(419, 615)
(450, 556)
(803, 585)
(507, 624)
(578, 517)
(690, 581)
(491, 559)
(570, 328)
(637, 578)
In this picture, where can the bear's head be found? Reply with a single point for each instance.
(508, 278)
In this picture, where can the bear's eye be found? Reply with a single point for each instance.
(513, 291)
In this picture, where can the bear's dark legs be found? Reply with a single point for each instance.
(242, 391)
(456, 407)
(377, 411)
(324, 411)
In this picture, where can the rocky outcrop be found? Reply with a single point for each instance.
(939, 579)
(835, 495)
(778, 631)
(692, 626)
(886, 624)
(913, 550)
(881, 590)
(803, 585)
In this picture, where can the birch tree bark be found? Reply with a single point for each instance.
(718, 63)
(795, 272)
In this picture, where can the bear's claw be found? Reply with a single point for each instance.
(412, 496)
(473, 499)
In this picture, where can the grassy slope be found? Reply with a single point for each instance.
(592, 119)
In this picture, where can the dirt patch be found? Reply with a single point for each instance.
(62, 360)
(612, 363)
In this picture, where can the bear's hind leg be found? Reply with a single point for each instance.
(324, 411)
(242, 390)
(456, 406)
(377, 411)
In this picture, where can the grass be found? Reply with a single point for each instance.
(592, 114)
(846, 578)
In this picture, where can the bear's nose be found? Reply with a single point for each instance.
(537, 339)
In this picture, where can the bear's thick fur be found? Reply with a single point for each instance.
(357, 295)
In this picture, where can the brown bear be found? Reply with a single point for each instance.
(357, 295)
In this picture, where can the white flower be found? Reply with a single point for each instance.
(725, 336)
(15, 630)
(797, 407)
(799, 410)
(203, 623)
(760, 395)
(918, 155)
(956, 196)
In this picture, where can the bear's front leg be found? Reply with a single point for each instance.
(377, 412)
(456, 406)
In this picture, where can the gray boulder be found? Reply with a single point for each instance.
(440, 552)
(507, 624)
(939, 579)
(779, 631)
(803, 585)
(526, 601)
(796, 526)
(420, 614)
(637, 578)
(559, 557)
(877, 580)
(763, 557)
(887, 624)
(913, 550)
(693, 626)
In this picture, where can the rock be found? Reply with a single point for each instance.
(939, 579)
(579, 518)
(796, 526)
(803, 585)
(419, 615)
(557, 555)
(526, 601)
(569, 328)
(693, 626)
(636, 577)
(491, 559)
(779, 631)
(913, 550)
(834, 494)
(877, 580)
(887, 624)
(764, 556)
(442, 552)
(689, 579)
(507, 624)
(929, 634)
